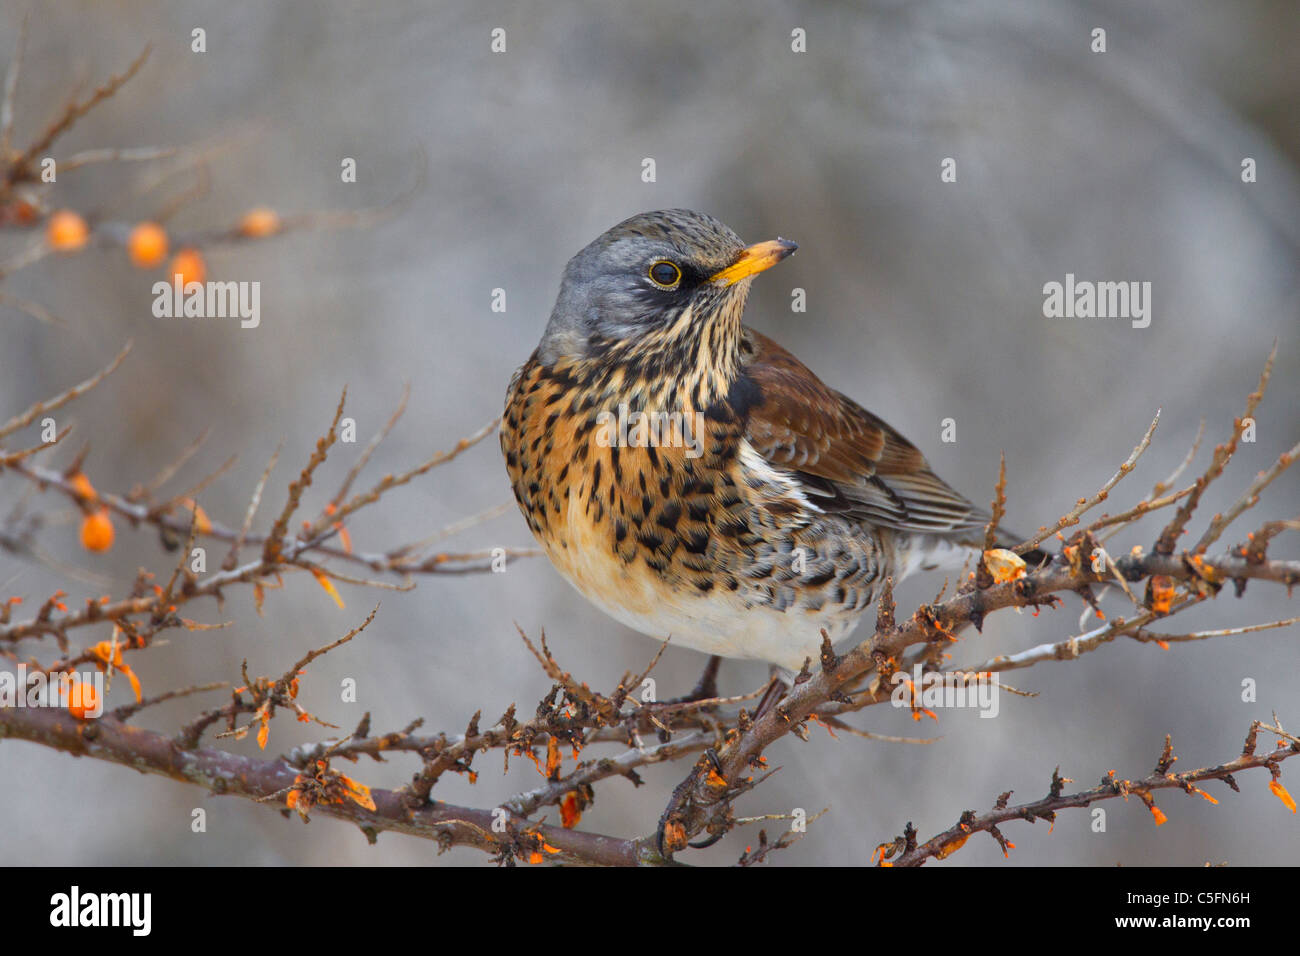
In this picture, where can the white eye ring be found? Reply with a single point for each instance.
(658, 267)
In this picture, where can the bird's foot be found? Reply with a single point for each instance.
(776, 689)
(682, 811)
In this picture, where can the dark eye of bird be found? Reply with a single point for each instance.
(665, 274)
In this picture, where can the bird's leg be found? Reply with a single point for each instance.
(706, 688)
(776, 689)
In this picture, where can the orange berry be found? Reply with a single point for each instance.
(189, 265)
(81, 484)
(147, 245)
(259, 222)
(82, 698)
(97, 531)
(66, 231)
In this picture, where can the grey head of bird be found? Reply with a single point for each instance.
(664, 284)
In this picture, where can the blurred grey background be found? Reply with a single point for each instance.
(924, 302)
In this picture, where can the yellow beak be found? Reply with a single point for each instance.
(753, 260)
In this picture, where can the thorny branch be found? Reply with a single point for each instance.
(280, 552)
(724, 739)
(904, 850)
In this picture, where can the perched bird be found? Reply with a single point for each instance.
(694, 479)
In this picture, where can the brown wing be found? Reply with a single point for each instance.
(848, 460)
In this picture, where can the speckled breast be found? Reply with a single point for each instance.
(678, 529)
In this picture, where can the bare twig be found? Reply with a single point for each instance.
(21, 167)
(1085, 504)
(11, 88)
(1222, 453)
(952, 839)
(1248, 499)
(24, 419)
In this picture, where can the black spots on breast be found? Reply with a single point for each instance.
(691, 483)
(690, 352)
(696, 542)
(597, 347)
(582, 426)
(562, 377)
(698, 510)
(720, 411)
(650, 540)
(784, 598)
(821, 577)
(669, 515)
(733, 527)
(654, 368)
(695, 563)
(624, 547)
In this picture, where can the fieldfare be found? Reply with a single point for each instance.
(694, 479)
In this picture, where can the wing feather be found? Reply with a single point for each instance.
(848, 460)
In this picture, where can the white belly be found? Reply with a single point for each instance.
(714, 623)
(756, 633)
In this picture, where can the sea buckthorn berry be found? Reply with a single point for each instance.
(147, 245)
(66, 231)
